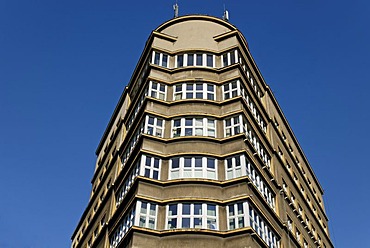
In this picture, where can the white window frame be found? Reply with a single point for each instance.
(193, 171)
(235, 125)
(151, 170)
(157, 127)
(157, 90)
(199, 126)
(239, 165)
(161, 60)
(181, 91)
(237, 215)
(208, 221)
(146, 214)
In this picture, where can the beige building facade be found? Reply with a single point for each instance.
(199, 153)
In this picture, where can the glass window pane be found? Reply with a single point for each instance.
(187, 162)
(172, 209)
(210, 60)
(211, 163)
(156, 163)
(180, 60)
(190, 59)
(189, 87)
(186, 208)
(188, 121)
(175, 163)
(197, 208)
(200, 59)
(211, 210)
(198, 162)
(164, 60)
(185, 222)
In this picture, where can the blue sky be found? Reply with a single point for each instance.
(64, 64)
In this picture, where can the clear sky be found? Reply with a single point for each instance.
(64, 65)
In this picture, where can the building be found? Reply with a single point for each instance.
(199, 153)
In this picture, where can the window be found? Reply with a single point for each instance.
(196, 90)
(123, 227)
(192, 126)
(298, 235)
(290, 224)
(160, 59)
(193, 167)
(242, 214)
(239, 165)
(230, 58)
(157, 90)
(192, 215)
(236, 215)
(147, 214)
(233, 125)
(197, 59)
(154, 126)
(147, 166)
(235, 88)
(150, 166)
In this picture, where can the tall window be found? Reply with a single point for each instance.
(233, 125)
(193, 167)
(154, 126)
(236, 215)
(150, 167)
(147, 214)
(230, 58)
(192, 126)
(160, 59)
(157, 90)
(196, 90)
(192, 215)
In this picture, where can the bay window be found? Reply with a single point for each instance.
(192, 215)
(193, 167)
(197, 90)
(194, 126)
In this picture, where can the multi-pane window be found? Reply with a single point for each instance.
(235, 88)
(192, 215)
(150, 167)
(160, 59)
(157, 90)
(194, 126)
(147, 166)
(143, 214)
(147, 214)
(236, 124)
(230, 58)
(196, 90)
(193, 167)
(124, 226)
(262, 228)
(236, 215)
(154, 126)
(239, 165)
(195, 59)
(242, 214)
(132, 143)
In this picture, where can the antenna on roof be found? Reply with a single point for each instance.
(226, 14)
(176, 10)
